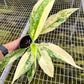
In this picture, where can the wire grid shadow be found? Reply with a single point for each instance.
(69, 36)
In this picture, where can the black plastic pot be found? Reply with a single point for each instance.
(26, 41)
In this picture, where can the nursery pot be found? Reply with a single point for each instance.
(26, 41)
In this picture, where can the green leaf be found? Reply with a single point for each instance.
(24, 65)
(38, 17)
(57, 19)
(11, 57)
(45, 62)
(31, 72)
(57, 52)
(34, 50)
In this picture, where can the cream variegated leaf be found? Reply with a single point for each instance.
(24, 65)
(38, 17)
(59, 53)
(11, 57)
(31, 72)
(34, 51)
(45, 61)
(57, 19)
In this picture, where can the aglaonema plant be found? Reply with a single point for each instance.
(40, 23)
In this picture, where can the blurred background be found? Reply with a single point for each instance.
(14, 15)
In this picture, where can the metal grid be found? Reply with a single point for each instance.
(69, 36)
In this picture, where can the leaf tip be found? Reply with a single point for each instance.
(76, 9)
(79, 67)
(12, 82)
(52, 75)
(30, 81)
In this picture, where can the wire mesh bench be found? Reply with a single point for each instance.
(14, 17)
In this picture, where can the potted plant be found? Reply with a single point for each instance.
(26, 41)
(40, 23)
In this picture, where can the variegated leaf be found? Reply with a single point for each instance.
(24, 65)
(11, 57)
(57, 52)
(34, 50)
(38, 17)
(45, 61)
(57, 19)
(31, 72)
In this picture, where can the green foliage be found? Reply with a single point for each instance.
(11, 57)
(43, 52)
(38, 17)
(57, 19)
(45, 61)
(34, 50)
(55, 51)
(24, 65)
(31, 72)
